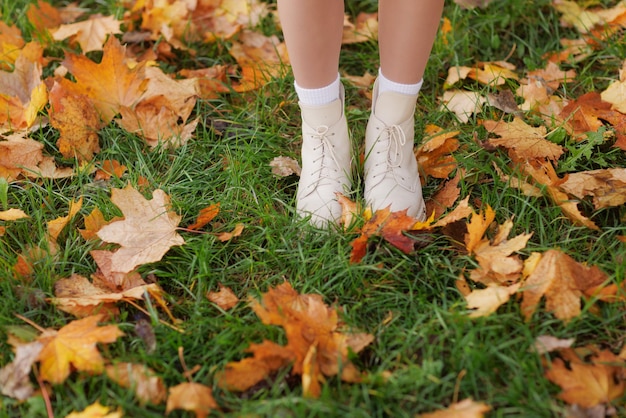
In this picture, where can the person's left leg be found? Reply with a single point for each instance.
(407, 29)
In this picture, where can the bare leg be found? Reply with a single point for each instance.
(407, 30)
(313, 30)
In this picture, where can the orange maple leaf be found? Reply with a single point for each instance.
(434, 156)
(523, 141)
(225, 298)
(205, 216)
(74, 345)
(147, 232)
(588, 383)
(315, 343)
(109, 84)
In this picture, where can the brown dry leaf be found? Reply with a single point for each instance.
(191, 397)
(90, 33)
(548, 343)
(615, 93)
(589, 113)
(544, 173)
(24, 266)
(562, 281)
(551, 76)
(523, 141)
(205, 216)
(110, 168)
(211, 81)
(56, 226)
(285, 166)
(14, 377)
(19, 155)
(110, 84)
(461, 211)
(12, 215)
(316, 345)
(476, 228)
(434, 156)
(363, 83)
(391, 226)
(463, 103)
(227, 236)
(588, 383)
(364, 28)
(445, 197)
(74, 345)
(77, 121)
(466, 408)
(93, 222)
(607, 186)
(147, 232)
(486, 301)
(517, 183)
(349, 210)
(148, 387)
(260, 58)
(43, 16)
(488, 73)
(574, 15)
(157, 121)
(23, 93)
(97, 411)
(225, 298)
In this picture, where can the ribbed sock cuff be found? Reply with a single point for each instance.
(384, 85)
(321, 96)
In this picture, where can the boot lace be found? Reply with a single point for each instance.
(392, 147)
(326, 162)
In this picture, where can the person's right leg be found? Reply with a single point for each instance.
(313, 31)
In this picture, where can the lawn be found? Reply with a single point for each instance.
(426, 352)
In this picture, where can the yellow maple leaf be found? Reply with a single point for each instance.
(74, 345)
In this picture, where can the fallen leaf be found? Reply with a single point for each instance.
(445, 197)
(588, 384)
(110, 168)
(349, 210)
(316, 345)
(191, 397)
(205, 216)
(225, 298)
(147, 232)
(466, 408)
(463, 103)
(562, 281)
(12, 215)
(476, 228)
(607, 186)
(364, 28)
(57, 225)
(96, 411)
(522, 140)
(615, 93)
(15, 376)
(484, 302)
(74, 345)
(90, 33)
(461, 211)
(547, 343)
(111, 83)
(227, 236)
(148, 387)
(285, 166)
(434, 156)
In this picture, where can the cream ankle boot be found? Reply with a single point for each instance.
(326, 162)
(391, 175)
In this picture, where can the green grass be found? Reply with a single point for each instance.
(436, 354)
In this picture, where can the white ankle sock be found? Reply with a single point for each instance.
(321, 96)
(384, 84)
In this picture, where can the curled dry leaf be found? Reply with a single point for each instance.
(463, 103)
(466, 408)
(225, 298)
(523, 141)
(434, 156)
(148, 387)
(226, 236)
(12, 215)
(56, 226)
(547, 343)
(205, 216)
(484, 302)
(191, 397)
(285, 166)
(606, 186)
(14, 377)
